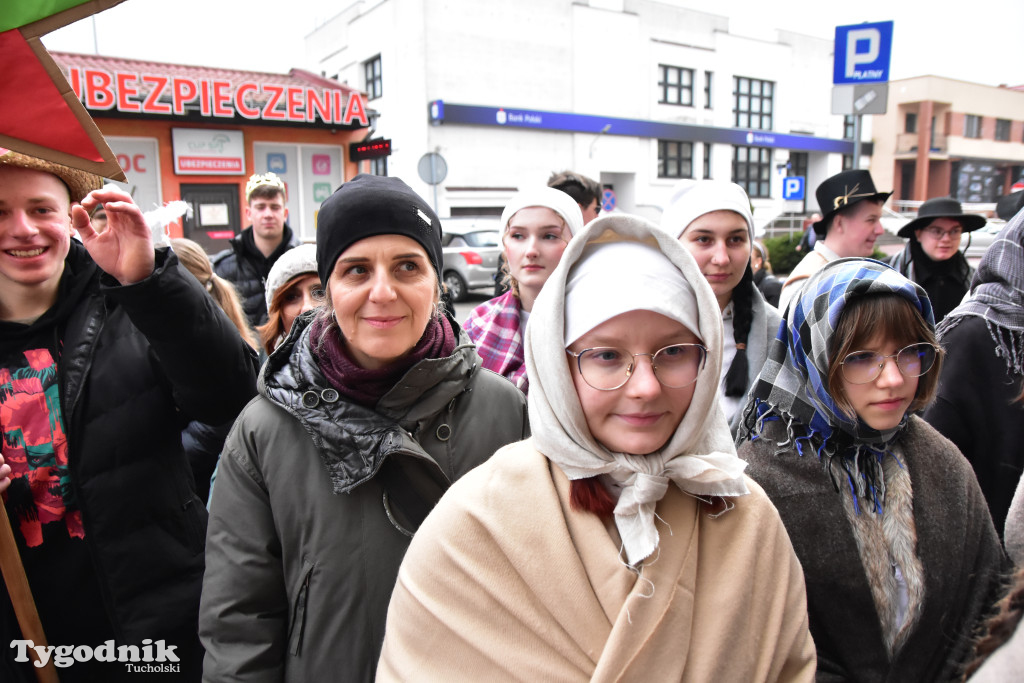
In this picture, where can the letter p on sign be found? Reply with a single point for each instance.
(855, 58)
(793, 187)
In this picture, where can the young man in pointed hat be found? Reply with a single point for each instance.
(932, 256)
(852, 211)
(253, 252)
(107, 348)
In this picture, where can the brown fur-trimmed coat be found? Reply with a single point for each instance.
(946, 546)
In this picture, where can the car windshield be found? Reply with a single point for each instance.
(484, 238)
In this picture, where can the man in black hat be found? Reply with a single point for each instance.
(852, 210)
(932, 256)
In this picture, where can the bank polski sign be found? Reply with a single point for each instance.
(862, 53)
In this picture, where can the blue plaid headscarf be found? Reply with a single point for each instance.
(793, 384)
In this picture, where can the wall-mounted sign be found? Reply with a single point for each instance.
(369, 149)
(442, 112)
(208, 151)
(131, 92)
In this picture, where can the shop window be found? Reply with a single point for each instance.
(374, 82)
(707, 89)
(1003, 130)
(751, 170)
(675, 159)
(911, 123)
(972, 126)
(676, 85)
(752, 103)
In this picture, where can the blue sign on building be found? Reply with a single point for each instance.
(507, 117)
(793, 187)
(862, 53)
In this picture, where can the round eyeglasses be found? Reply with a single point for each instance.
(861, 367)
(606, 368)
(938, 233)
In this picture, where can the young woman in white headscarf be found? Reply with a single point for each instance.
(623, 541)
(712, 219)
(897, 546)
(536, 226)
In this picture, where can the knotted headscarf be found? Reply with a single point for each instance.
(699, 458)
(793, 385)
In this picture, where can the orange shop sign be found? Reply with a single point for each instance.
(132, 92)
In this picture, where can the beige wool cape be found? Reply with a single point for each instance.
(504, 581)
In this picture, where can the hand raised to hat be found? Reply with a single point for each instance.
(125, 249)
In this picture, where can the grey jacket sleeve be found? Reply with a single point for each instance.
(243, 615)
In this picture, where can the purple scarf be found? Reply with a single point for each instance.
(366, 387)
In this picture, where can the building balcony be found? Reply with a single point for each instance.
(906, 143)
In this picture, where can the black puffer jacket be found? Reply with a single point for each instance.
(138, 361)
(304, 542)
(244, 266)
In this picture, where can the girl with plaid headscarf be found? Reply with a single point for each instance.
(897, 546)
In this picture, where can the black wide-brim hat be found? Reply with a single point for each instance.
(842, 190)
(942, 207)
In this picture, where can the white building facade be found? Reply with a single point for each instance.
(636, 94)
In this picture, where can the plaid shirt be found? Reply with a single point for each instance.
(494, 328)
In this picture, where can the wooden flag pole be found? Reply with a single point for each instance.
(21, 597)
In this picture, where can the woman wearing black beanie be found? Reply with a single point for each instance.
(368, 410)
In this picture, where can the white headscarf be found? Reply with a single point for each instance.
(612, 278)
(699, 458)
(550, 198)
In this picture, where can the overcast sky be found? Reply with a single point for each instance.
(973, 41)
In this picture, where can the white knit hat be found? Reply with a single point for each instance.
(297, 261)
(550, 198)
(692, 200)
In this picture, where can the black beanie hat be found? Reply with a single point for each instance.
(371, 205)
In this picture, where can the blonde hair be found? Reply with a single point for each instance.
(223, 292)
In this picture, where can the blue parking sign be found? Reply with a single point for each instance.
(793, 187)
(862, 53)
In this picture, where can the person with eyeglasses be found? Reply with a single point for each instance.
(622, 541)
(898, 548)
(932, 256)
(980, 400)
